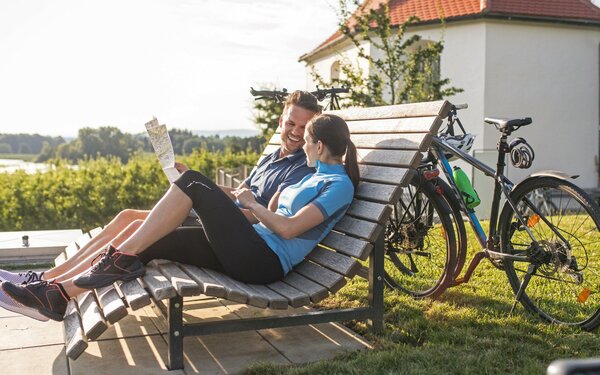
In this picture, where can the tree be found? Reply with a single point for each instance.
(266, 113)
(189, 145)
(5, 148)
(24, 148)
(405, 70)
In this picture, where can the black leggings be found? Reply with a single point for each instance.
(225, 242)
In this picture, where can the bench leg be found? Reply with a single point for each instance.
(376, 284)
(175, 338)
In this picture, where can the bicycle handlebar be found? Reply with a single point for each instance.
(320, 94)
(269, 94)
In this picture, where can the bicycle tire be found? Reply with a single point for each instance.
(564, 286)
(458, 223)
(419, 260)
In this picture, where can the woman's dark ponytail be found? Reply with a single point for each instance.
(351, 164)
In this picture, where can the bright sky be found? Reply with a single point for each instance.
(67, 64)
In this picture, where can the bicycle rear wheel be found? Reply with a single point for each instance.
(565, 284)
(420, 252)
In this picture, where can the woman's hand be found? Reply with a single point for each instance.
(181, 167)
(244, 196)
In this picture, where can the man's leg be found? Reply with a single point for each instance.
(96, 244)
(166, 215)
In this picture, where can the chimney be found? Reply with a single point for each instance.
(484, 4)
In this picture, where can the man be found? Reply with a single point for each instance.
(284, 167)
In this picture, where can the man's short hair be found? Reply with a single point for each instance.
(303, 99)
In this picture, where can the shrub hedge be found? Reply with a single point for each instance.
(90, 194)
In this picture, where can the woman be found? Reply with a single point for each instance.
(259, 253)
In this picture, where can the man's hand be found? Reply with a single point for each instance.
(181, 167)
(244, 196)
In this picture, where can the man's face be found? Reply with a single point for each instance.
(292, 123)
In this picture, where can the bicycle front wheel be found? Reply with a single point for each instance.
(565, 256)
(420, 252)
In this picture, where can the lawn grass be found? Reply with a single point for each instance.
(468, 330)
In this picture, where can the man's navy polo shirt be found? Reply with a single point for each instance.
(273, 174)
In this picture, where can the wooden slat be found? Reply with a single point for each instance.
(270, 149)
(321, 275)
(389, 137)
(381, 193)
(60, 259)
(82, 240)
(359, 228)
(385, 175)
(295, 297)
(75, 340)
(348, 245)
(157, 284)
(71, 249)
(276, 301)
(437, 108)
(316, 291)
(399, 126)
(91, 317)
(335, 261)
(96, 231)
(111, 303)
(389, 141)
(134, 294)
(255, 298)
(232, 292)
(209, 286)
(182, 283)
(369, 211)
(393, 158)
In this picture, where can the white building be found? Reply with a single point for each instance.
(536, 58)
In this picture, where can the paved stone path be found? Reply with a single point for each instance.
(137, 345)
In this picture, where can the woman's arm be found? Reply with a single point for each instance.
(287, 227)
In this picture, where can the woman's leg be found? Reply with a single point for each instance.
(80, 260)
(242, 253)
(167, 214)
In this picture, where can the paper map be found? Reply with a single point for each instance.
(163, 148)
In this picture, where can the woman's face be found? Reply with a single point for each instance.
(310, 149)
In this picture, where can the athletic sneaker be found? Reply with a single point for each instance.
(11, 305)
(113, 266)
(48, 298)
(20, 277)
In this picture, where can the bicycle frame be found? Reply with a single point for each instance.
(502, 185)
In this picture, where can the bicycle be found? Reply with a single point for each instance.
(321, 94)
(546, 237)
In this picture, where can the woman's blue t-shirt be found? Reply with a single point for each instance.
(331, 190)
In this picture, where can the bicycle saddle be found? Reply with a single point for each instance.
(504, 124)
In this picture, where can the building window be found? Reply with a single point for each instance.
(335, 70)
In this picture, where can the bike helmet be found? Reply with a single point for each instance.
(463, 142)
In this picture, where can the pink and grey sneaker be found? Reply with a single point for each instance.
(113, 266)
(20, 277)
(48, 298)
(11, 305)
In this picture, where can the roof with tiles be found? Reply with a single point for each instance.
(431, 10)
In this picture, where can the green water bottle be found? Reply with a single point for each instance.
(466, 189)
